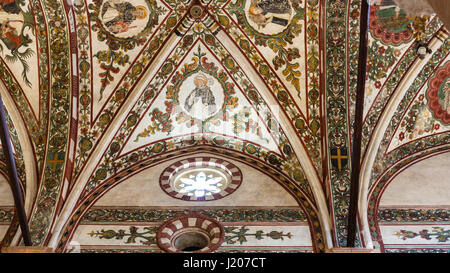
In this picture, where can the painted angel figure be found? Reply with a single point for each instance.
(200, 184)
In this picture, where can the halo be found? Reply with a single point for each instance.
(143, 9)
(251, 10)
(201, 77)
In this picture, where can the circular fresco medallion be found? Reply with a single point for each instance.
(190, 233)
(389, 23)
(438, 94)
(268, 17)
(124, 19)
(200, 179)
(201, 96)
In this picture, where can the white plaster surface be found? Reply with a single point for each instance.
(143, 189)
(424, 183)
(6, 196)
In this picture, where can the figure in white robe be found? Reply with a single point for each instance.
(200, 103)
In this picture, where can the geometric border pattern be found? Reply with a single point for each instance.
(172, 228)
(230, 168)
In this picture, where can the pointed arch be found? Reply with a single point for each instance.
(28, 154)
(316, 231)
(374, 146)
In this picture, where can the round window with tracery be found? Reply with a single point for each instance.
(200, 179)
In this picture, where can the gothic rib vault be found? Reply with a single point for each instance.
(109, 100)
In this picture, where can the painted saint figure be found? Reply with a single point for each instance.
(118, 15)
(201, 101)
(263, 12)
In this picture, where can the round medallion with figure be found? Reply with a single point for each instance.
(124, 19)
(201, 96)
(438, 94)
(389, 23)
(268, 17)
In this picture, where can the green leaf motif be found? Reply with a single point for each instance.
(234, 235)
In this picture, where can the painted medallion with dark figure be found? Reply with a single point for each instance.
(124, 19)
(198, 96)
(269, 16)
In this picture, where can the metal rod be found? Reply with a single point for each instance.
(13, 178)
(357, 134)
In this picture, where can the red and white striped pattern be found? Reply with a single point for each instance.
(172, 170)
(189, 223)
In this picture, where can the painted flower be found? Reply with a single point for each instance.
(401, 136)
(377, 84)
(198, 27)
(437, 126)
(170, 145)
(181, 9)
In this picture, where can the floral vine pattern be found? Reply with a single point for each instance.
(116, 55)
(278, 43)
(90, 132)
(439, 233)
(337, 97)
(418, 121)
(234, 235)
(147, 236)
(161, 121)
(308, 130)
(112, 163)
(58, 127)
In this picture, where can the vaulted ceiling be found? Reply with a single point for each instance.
(99, 96)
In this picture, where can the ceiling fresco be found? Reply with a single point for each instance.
(100, 91)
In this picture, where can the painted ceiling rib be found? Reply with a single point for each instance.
(13, 178)
(357, 137)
